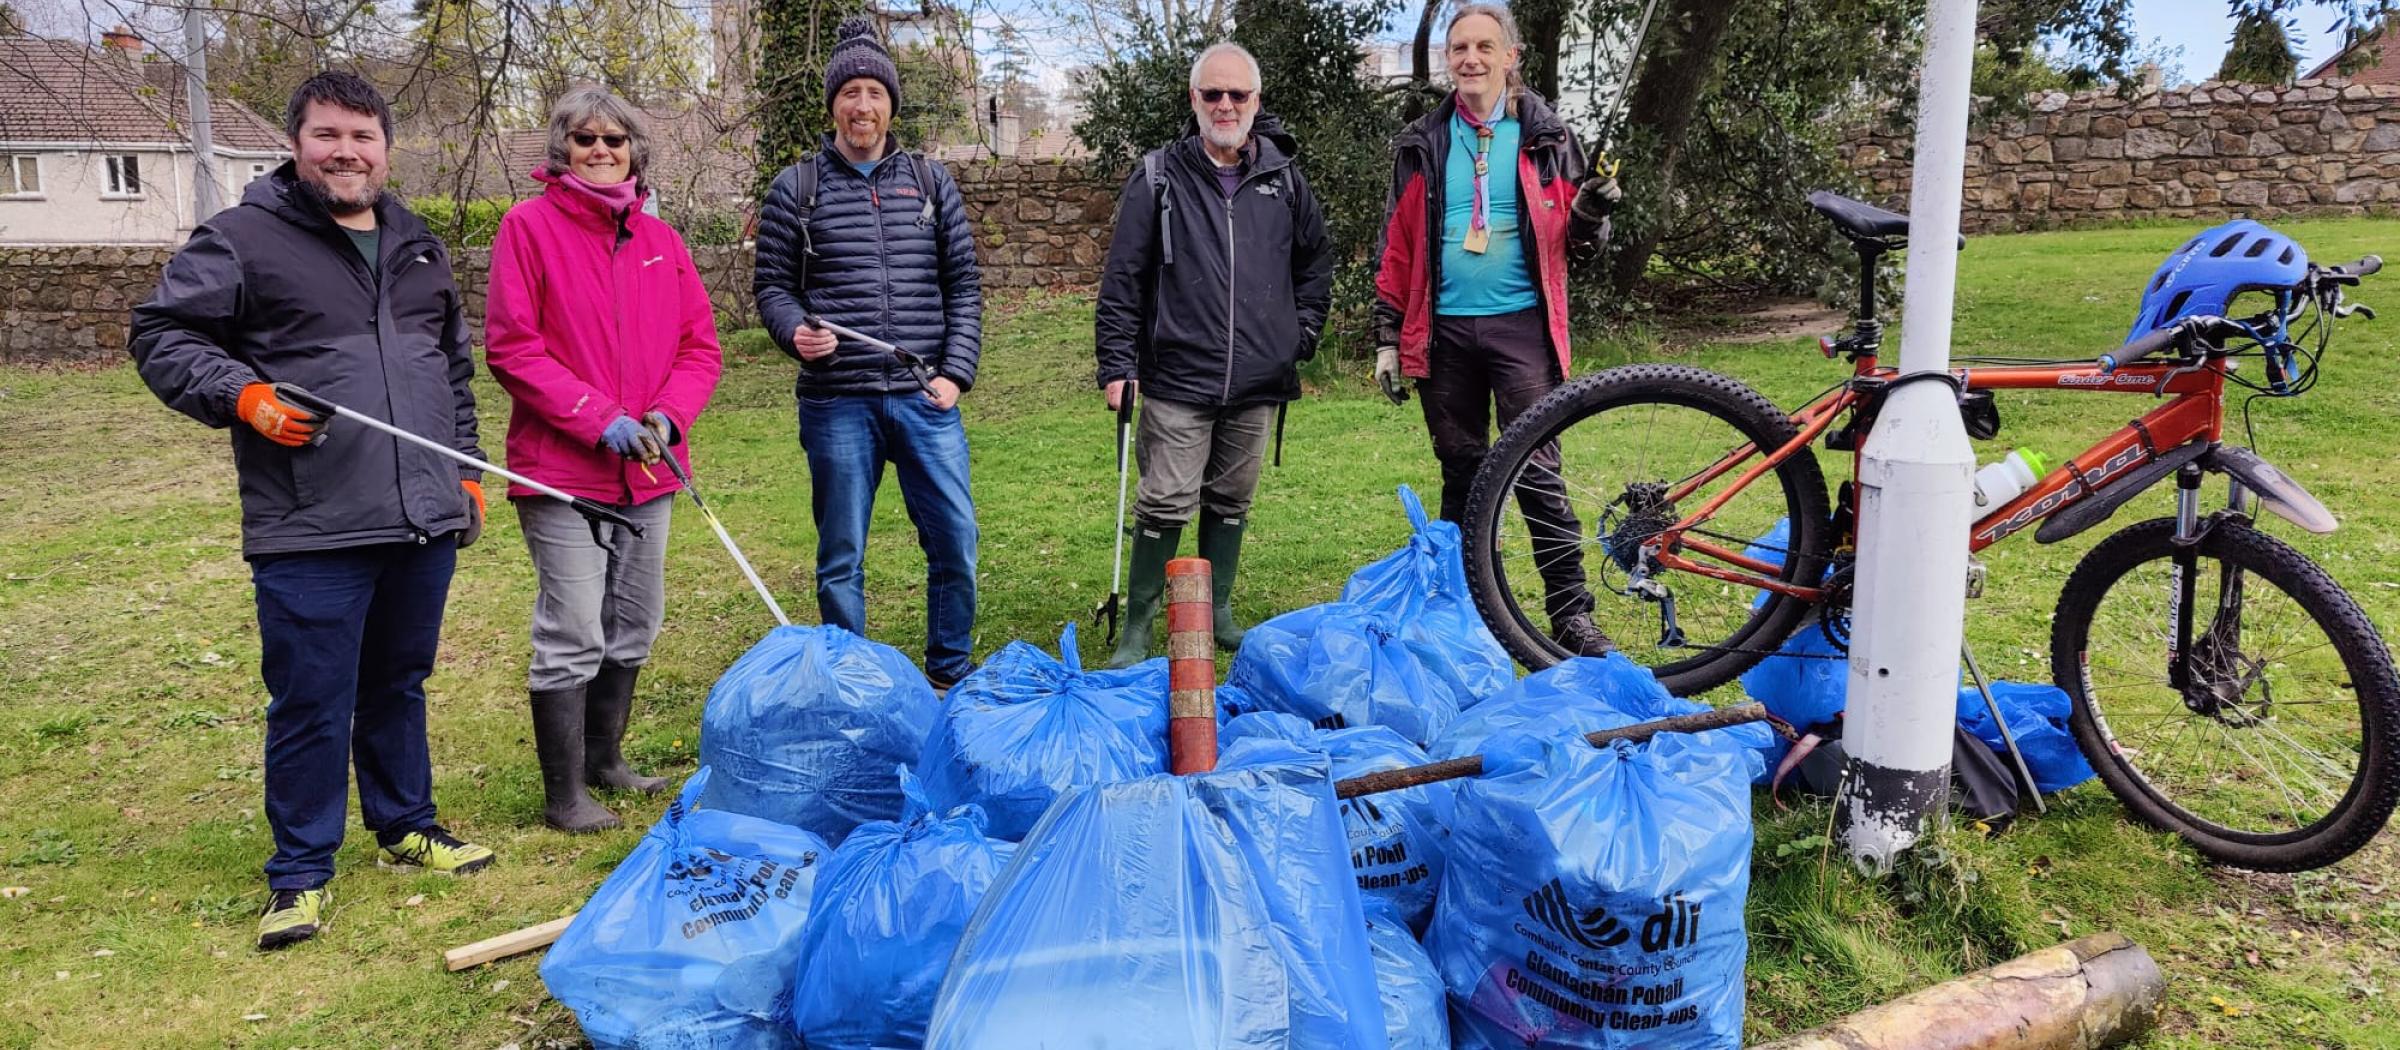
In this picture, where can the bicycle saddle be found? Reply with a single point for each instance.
(1863, 222)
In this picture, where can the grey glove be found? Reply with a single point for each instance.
(1597, 196)
(1387, 374)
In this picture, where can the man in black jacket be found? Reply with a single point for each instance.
(319, 280)
(1214, 291)
(876, 240)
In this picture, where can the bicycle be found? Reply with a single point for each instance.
(2266, 736)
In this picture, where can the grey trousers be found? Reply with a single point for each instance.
(597, 603)
(1198, 455)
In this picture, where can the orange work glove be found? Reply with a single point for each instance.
(281, 423)
(474, 531)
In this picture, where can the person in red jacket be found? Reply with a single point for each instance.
(1489, 195)
(598, 327)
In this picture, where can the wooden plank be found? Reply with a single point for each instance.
(516, 942)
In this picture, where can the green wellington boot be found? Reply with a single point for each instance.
(1145, 589)
(1221, 544)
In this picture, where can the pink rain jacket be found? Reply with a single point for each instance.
(580, 329)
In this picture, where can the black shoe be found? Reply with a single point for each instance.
(1582, 637)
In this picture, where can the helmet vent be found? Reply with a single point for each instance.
(2225, 247)
(2284, 259)
(2175, 305)
(2257, 248)
(2160, 281)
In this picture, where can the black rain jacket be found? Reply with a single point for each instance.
(1212, 300)
(272, 291)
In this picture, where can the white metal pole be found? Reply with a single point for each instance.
(1916, 482)
(207, 193)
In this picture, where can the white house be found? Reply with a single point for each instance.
(95, 144)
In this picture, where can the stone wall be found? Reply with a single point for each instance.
(1037, 224)
(2318, 147)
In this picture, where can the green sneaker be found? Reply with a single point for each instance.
(436, 850)
(292, 916)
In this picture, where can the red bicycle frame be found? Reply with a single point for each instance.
(2193, 409)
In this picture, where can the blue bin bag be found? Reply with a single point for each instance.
(889, 909)
(1397, 839)
(2038, 717)
(1594, 896)
(1423, 587)
(1585, 694)
(1339, 665)
(1416, 1016)
(806, 727)
(1210, 912)
(1026, 726)
(692, 940)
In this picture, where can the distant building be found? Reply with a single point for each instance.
(95, 146)
(2382, 62)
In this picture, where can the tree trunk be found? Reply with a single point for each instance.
(1541, 23)
(1665, 97)
(1420, 70)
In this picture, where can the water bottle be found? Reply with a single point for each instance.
(1998, 483)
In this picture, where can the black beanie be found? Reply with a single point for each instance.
(856, 53)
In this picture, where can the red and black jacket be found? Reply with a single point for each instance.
(1549, 167)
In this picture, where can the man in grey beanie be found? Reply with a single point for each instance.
(876, 240)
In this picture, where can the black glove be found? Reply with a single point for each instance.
(1597, 196)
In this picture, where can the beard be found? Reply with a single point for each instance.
(1234, 139)
(339, 204)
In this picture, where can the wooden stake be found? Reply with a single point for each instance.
(513, 943)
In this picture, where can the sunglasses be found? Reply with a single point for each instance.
(586, 139)
(1212, 96)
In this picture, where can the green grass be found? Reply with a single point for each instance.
(130, 705)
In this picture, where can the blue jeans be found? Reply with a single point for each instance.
(848, 439)
(347, 638)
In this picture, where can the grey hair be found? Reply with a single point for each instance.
(1508, 35)
(1227, 47)
(586, 103)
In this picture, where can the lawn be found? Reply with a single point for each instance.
(130, 705)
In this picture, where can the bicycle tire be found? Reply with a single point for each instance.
(2366, 800)
(1726, 400)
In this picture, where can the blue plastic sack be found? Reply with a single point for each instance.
(889, 908)
(694, 935)
(806, 727)
(1594, 896)
(2038, 717)
(1026, 726)
(1339, 665)
(1211, 912)
(1423, 587)
(1415, 1014)
(1584, 694)
(1396, 838)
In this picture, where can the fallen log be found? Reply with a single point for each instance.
(2091, 992)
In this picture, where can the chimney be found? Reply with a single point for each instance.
(1008, 134)
(122, 41)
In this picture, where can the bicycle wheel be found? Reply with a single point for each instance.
(2277, 754)
(1612, 451)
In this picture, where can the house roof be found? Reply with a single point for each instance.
(63, 91)
(2384, 69)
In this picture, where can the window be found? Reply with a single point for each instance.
(124, 176)
(20, 176)
(258, 171)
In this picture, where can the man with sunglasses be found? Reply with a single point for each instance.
(1215, 289)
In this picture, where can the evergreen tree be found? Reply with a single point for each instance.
(2262, 51)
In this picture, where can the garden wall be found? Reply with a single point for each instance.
(2318, 147)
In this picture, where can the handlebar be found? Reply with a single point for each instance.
(2352, 271)
(2142, 346)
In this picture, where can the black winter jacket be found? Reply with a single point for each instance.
(272, 291)
(1210, 300)
(871, 260)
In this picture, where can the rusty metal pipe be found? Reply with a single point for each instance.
(1472, 765)
(1191, 668)
(2091, 992)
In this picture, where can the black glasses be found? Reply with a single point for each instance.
(585, 139)
(1212, 96)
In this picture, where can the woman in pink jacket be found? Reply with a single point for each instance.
(597, 326)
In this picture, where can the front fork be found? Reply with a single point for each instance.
(2224, 630)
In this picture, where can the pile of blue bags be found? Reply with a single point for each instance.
(1423, 588)
(1396, 839)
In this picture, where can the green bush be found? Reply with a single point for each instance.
(470, 223)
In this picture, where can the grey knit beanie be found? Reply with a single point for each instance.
(856, 53)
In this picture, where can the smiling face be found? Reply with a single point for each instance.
(1225, 123)
(600, 163)
(862, 115)
(1480, 57)
(343, 154)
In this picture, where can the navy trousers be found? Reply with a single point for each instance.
(347, 639)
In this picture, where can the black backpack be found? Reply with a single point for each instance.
(1161, 208)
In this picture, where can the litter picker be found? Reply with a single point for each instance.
(916, 365)
(591, 511)
(1108, 608)
(726, 538)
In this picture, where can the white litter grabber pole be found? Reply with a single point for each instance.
(1916, 482)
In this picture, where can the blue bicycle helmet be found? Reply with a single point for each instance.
(2205, 274)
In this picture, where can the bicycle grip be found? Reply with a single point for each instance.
(2147, 344)
(2364, 267)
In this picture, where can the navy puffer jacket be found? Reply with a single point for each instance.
(871, 259)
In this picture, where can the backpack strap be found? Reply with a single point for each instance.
(804, 187)
(916, 170)
(1160, 207)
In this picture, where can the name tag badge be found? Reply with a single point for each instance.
(1478, 240)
